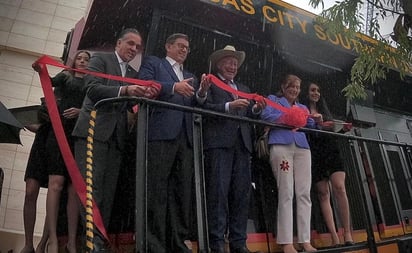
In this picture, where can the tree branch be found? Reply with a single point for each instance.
(385, 9)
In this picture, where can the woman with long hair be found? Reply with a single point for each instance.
(327, 165)
(45, 167)
(69, 91)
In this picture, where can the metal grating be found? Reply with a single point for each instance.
(400, 179)
(405, 245)
(385, 193)
(352, 185)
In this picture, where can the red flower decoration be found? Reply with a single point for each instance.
(284, 166)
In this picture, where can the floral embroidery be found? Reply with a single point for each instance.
(284, 165)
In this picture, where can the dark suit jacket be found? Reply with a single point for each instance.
(110, 118)
(220, 132)
(166, 124)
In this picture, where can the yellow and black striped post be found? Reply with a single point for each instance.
(89, 183)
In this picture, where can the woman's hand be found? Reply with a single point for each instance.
(36, 66)
(346, 127)
(33, 127)
(71, 113)
(317, 117)
(327, 125)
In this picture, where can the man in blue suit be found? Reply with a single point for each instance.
(170, 153)
(228, 148)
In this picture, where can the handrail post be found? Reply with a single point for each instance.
(201, 212)
(141, 179)
(364, 188)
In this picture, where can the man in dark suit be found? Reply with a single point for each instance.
(228, 147)
(110, 131)
(170, 154)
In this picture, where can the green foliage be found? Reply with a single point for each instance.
(374, 60)
(367, 68)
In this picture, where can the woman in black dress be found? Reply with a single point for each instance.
(71, 92)
(46, 168)
(35, 177)
(327, 165)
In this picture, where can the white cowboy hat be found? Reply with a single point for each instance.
(227, 51)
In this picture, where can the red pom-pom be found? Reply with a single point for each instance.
(295, 116)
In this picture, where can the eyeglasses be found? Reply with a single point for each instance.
(182, 46)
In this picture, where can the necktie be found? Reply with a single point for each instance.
(123, 68)
(178, 70)
(232, 85)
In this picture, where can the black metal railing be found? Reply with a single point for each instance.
(352, 156)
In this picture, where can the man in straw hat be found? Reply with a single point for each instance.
(228, 147)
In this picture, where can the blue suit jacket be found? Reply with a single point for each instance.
(285, 136)
(223, 133)
(166, 124)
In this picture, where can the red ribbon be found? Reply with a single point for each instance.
(74, 172)
(295, 116)
(49, 61)
(219, 83)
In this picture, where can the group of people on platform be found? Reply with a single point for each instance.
(228, 147)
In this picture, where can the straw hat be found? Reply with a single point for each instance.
(227, 51)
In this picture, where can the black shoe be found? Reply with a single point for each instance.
(101, 249)
(349, 243)
(335, 246)
(243, 250)
(100, 245)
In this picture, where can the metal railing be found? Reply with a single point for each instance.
(198, 113)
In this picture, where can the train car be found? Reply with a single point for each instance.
(279, 38)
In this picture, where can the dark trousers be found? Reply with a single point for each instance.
(228, 182)
(169, 192)
(106, 166)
